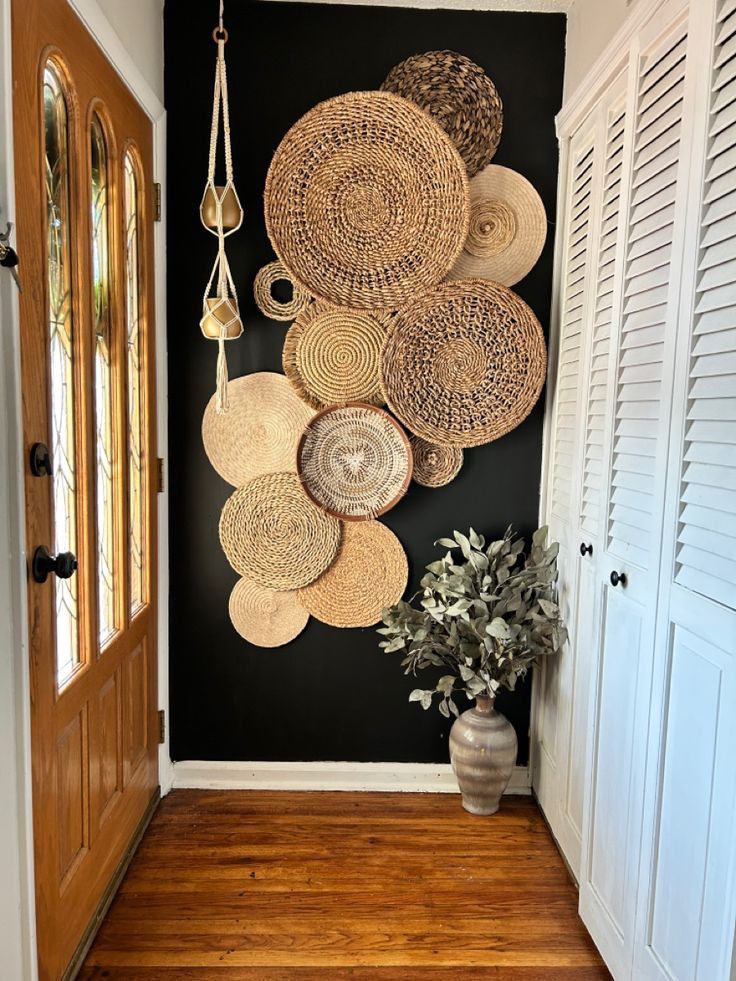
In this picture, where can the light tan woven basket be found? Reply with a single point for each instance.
(508, 228)
(354, 461)
(332, 354)
(459, 95)
(273, 534)
(369, 574)
(435, 465)
(465, 364)
(266, 617)
(366, 201)
(259, 432)
(263, 284)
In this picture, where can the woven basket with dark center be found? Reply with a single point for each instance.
(354, 461)
(369, 574)
(332, 354)
(263, 284)
(459, 95)
(465, 364)
(366, 201)
(266, 617)
(273, 534)
(435, 465)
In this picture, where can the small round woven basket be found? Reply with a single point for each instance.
(260, 431)
(435, 465)
(354, 461)
(459, 95)
(263, 284)
(369, 574)
(266, 617)
(332, 354)
(366, 201)
(508, 228)
(465, 364)
(273, 534)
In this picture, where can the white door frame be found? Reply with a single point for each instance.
(17, 897)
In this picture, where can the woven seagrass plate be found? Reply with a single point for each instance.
(266, 617)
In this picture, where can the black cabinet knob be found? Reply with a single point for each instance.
(41, 460)
(586, 549)
(63, 565)
(618, 578)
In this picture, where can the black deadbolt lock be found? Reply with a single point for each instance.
(62, 565)
(41, 460)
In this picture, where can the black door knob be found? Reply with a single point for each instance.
(41, 460)
(62, 565)
(618, 578)
(586, 549)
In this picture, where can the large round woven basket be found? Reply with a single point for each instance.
(259, 432)
(465, 364)
(435, 465)
(459, 95)
(508, 227)
(366, 201)
(266, 617)
(273, 534)
(263, 284)
(332, 354)
(354, 461)
(369, 574)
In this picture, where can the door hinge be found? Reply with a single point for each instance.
(159, 475)
(157, 202)
(161, 726)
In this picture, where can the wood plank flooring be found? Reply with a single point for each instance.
(386, 887)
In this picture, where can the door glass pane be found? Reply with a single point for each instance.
(61, 338)
(103, 379)
(136, 481)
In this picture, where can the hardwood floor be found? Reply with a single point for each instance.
(387, 887)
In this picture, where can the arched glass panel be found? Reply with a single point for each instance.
(61, 354)
(136, 479)
(105, 510)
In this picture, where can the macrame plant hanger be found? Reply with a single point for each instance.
(221, 214)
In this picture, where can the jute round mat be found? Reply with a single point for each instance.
(366, 201)
(354, 461)
(508, 227)
(273, 534)
(332, 354)
(263, 284)
(459, 95)
(435, 465)
(369, 574)
(465, 364)
(266, 617)
(259, 432)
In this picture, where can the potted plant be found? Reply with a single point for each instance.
(484, 617)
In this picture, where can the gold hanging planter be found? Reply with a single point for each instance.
(226, 200)
(221, 319)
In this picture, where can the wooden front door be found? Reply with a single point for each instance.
(84, 187)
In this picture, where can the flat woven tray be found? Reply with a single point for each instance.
(465, 364)
(266, 617)
(366, 201)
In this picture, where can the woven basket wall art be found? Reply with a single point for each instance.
(465, 364)
(266, 617)
(508, 227)
(263, 284)
(354, 461)
(366, 201)
(332, 354)
(273, 534)
(369, 574)
(459, 95)
(435, 465)
(260, 431)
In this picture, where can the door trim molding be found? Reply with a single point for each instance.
(417, 778)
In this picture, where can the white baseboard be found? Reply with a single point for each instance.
(428, 778)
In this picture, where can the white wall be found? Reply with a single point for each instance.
(140, 26)
(591, 24)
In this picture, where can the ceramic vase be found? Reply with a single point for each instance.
(483, 753)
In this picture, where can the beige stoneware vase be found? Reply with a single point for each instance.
(483, 753)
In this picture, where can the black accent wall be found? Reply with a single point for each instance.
(330, 694)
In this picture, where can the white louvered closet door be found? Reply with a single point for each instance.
(629, 518)
(688, 908)
(552, 702)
